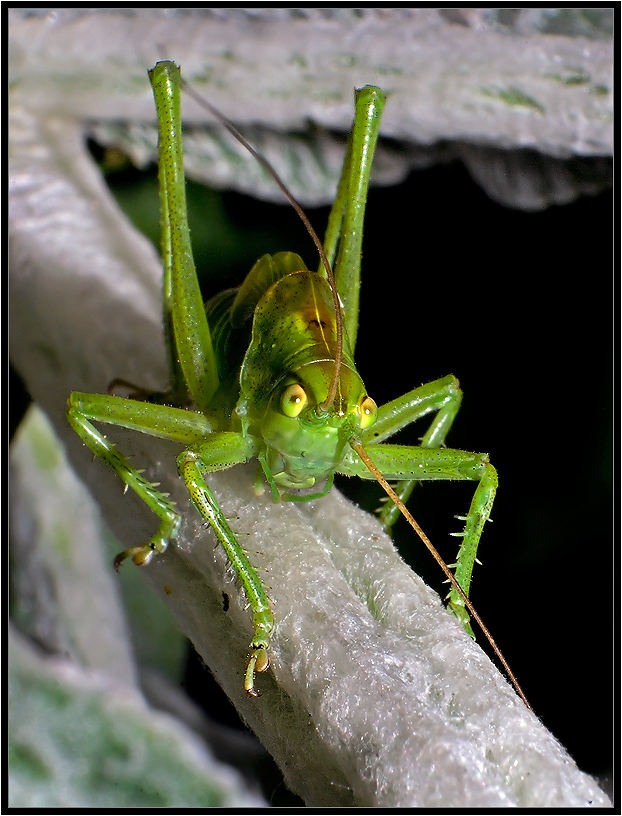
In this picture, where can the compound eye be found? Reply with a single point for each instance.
(368, 411)
(293, 400)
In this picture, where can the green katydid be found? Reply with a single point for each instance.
(267, 371)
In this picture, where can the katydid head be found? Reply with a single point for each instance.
(303, 442)
(303, 399)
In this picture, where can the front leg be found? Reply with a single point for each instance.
(218, 451)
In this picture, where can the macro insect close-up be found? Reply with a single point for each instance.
(236, 434)
(287, 390)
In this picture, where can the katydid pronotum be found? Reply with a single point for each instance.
(267, 371)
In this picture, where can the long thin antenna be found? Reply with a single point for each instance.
(404, 511)
(332, 391)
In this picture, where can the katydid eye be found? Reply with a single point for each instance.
(367, 413)
(293, 400)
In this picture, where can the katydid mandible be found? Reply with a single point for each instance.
(267, 371)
